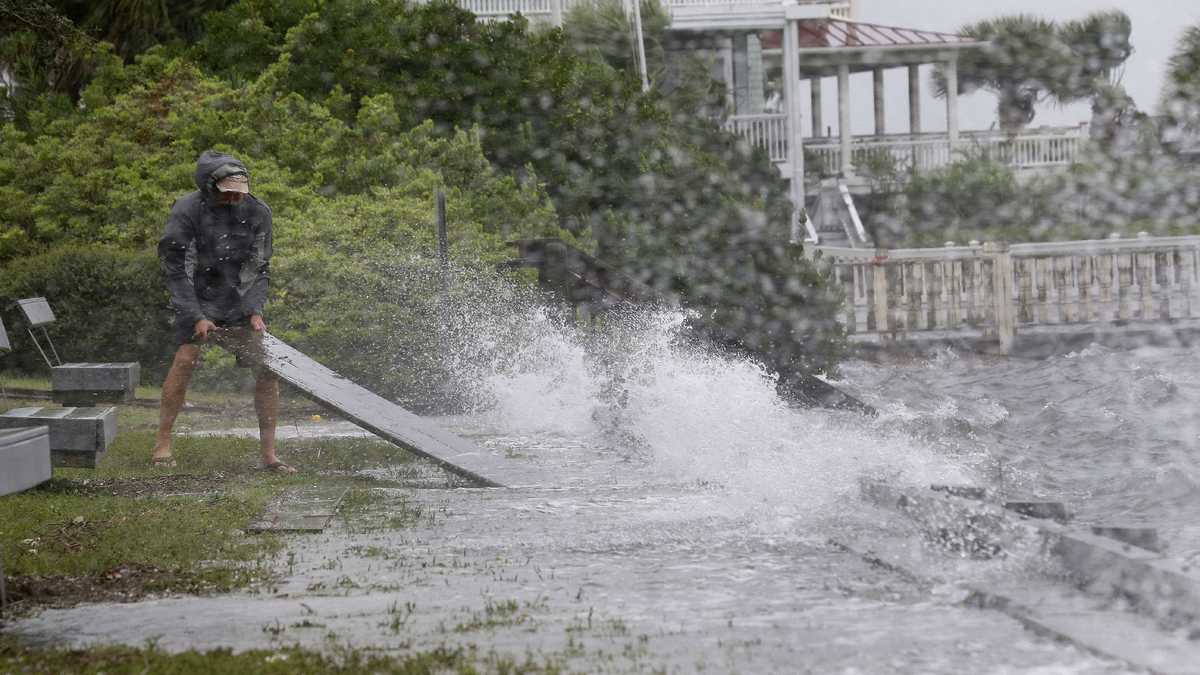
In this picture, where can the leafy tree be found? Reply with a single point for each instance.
(1180, 100)
(1030, 59)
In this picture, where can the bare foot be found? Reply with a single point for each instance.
(162, 457)
(278, 467)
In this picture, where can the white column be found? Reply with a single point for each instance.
(791, 97)
(844, 117)
(914, 99)
(951, 70)
(727, 51)
(818, 124)
(754, 72)
(880, 121)
(556, 12)
(741, 75)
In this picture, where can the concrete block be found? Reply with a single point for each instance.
(24, 458)
(964, 491)
(1142, 537)
(1160, 587)
(78, 436)
(1056, 511)
(37, 311)
(85, 384)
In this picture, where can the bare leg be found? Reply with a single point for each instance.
(266, 404)
(174, 390)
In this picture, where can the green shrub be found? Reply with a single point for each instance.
(110, 305)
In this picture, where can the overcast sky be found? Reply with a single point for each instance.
(1157, 25)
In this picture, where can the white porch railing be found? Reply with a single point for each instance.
(554, 9)
(767, 131)
(505, 8)
(930, 151)
(993, 291)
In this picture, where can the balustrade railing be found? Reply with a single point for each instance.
(994, 291)
(768, 131)
(496, 9)
(930, 151)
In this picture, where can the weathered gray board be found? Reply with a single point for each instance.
(24, 458)
(391, 422)
(90, 383)
(78, 436)
(5, 345)
(300, 510)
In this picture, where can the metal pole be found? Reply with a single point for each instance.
(641, 44)
(443, 241)
(443, 244)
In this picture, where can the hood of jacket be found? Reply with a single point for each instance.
(212, 166)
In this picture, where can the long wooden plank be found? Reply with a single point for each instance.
(389, 421)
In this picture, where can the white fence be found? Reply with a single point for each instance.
(994, 290)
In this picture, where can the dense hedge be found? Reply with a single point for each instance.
(110, 305)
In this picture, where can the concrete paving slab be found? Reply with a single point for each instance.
(24, 458)
(300, 510)
(90, 383)
(78, 436)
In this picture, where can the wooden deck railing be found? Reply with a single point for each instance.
(923, 152)
(553, 10)
(994, 290)
(767, 131)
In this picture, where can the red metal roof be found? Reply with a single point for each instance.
(826, 33)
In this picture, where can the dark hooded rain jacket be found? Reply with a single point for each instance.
(216, 258)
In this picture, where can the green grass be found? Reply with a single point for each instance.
(127, 660)
(177, 530)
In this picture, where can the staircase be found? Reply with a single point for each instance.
(836, 219)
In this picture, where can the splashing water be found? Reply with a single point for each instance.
(637, 389)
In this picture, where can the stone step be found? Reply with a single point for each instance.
(86, 384)
(78, 436)
(24, 458)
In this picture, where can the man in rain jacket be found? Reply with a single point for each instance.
(216, 257)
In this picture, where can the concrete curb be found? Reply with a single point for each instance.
(1165, 589)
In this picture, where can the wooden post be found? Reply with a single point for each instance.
(818, 123)
(880, 287)
(880, 116)
(951, 70)
(1149, 282)
(1125, 285)
(1002, 296)
(1025, 290)
(914, 99)
(846, 166)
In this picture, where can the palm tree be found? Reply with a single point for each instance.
(1180, 100)
(1030, 60)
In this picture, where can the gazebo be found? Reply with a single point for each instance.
(833, 47)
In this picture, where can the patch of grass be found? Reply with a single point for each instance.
(15, 658)
(127, 529)
(495, 615)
